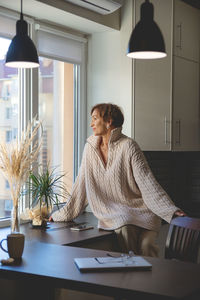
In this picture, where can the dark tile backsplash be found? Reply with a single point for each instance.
(179, 174)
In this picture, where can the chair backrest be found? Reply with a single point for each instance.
(183, 239)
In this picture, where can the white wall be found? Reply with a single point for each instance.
(110, 70)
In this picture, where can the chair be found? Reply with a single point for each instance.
(183, 239)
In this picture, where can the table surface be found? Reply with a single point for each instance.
(47, 261)
(167, 280)
(60, 233)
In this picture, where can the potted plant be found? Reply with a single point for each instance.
(46, 188)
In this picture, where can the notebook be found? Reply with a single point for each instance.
(87, 264)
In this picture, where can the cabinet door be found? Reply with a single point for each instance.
(186, 130)
(152, 105)
(186, 31)
(152, 88)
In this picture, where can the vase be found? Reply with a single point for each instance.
(15, 221)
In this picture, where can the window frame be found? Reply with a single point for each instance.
(29, 97)
(80, 103)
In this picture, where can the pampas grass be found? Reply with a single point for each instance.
(16, 160)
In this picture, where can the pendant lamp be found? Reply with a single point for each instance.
(146, 41)
(22, 52)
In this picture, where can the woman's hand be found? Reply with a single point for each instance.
(179, 213)
(51, 219)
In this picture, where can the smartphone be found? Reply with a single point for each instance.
(81, 227)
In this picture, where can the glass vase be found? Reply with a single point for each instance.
(15, 221)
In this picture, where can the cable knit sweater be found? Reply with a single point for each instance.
(124, 191)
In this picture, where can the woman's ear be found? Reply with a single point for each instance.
(110, 122)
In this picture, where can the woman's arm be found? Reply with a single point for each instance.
(77, 201)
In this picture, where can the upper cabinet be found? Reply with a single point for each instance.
(185, 118)
(186, 31)
(166, 91)
(152, 87)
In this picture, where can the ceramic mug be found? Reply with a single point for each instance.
(15, 244)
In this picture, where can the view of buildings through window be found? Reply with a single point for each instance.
(9, 108)
(46, 91)
(55, 110)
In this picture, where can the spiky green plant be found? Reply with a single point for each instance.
(47, 188)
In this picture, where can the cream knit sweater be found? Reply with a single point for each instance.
(122, 192)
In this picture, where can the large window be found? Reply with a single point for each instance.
(55, 93)
(56, 111)
(62, 98)
(9, 108)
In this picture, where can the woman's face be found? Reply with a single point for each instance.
(98, 125)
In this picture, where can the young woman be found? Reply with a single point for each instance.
(116, 181)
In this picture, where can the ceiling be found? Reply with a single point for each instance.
(44, 12)
(39, 9)
(194, 3)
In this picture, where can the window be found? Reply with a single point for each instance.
(7, 185)
(14, 133)
(55, 94)
(56, 111)
(8, 122)
(8, 136)
(5, 91)
(61, 99)
(8, 206)
(8, 112)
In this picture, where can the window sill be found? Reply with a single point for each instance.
(4, 222)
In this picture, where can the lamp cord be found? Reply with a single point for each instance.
(21, 14)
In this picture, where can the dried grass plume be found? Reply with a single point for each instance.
(16, 159)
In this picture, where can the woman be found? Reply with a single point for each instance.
(116, 181)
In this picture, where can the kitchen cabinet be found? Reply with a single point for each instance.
(186, 31)
(186, 125)
(166, 91)
(152, 105)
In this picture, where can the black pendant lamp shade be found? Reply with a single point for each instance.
(146, 41)
(22, 52)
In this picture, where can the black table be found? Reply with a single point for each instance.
(47, 266)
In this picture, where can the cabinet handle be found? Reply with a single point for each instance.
(166, 124)
(179, 45)
(178, 131)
